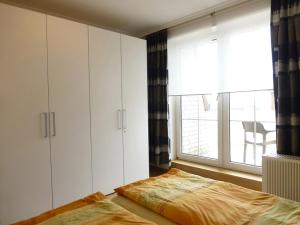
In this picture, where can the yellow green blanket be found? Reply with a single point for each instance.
(188, 199)
(92, 210)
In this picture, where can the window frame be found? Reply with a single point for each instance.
(198, 159)
(224, 151)
(226, 144)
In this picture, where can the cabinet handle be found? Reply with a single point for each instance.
(119, 114)
(53, 124)
(45, 114)
(124, 119)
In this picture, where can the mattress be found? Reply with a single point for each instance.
(95, 209)
(140, 210)
(189, 199)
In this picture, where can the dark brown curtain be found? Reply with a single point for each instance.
(158, 99)
(285, 33)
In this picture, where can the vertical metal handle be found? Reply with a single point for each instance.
(46, 124)
(53, 124)
(124, 119)
(119, 115)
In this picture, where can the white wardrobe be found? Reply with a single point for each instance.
(73, 112)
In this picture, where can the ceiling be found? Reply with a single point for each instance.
(135, 17)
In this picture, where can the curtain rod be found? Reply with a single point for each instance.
(200, 15)
(220, 93)
(212, 12)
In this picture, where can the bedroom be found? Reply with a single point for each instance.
(98, 95)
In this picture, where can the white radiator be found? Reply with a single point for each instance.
(281, 176)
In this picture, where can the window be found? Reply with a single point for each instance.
(221, 97)
(252, 126)
(199, 126)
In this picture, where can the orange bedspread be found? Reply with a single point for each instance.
(92, 210)
(188, 199)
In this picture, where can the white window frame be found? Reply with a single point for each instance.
(198, 159)
(223, 160)
(226, 142)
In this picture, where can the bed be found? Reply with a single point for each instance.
(173, 198)
(189, 199)
(140, 210)
(91, 210)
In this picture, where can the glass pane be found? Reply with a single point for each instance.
(252, 126)
(208, 139)
(242, 106)
(264, 106)
(236, 141)
(200, 125)
(193, 65)
(241, 110)
(265, 115)
(190, 137)
(245, 47)
(208, 107)
(190, 107)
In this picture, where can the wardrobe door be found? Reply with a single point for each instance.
(69, 106)
(106, 105)
(25, 174)
(135, 116)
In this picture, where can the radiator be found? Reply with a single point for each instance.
(281, 176)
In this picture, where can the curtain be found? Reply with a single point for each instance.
(158, 99)
(228, 51)
(285, 34)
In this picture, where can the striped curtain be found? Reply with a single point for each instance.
(158, 99)
(285, 33)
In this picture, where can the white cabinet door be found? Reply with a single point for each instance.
(69, 100)
(134, 91)
(106, 105)
(25, 174)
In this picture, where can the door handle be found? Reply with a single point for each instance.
(45, 114)
(119, 115)
(53, 124)
(124, 125)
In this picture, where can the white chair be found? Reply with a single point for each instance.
(258, 127)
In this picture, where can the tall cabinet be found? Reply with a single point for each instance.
(135, 108)
(118, 109)
(73, 112)
(25, 168)
(68, 74)
(106, 109)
